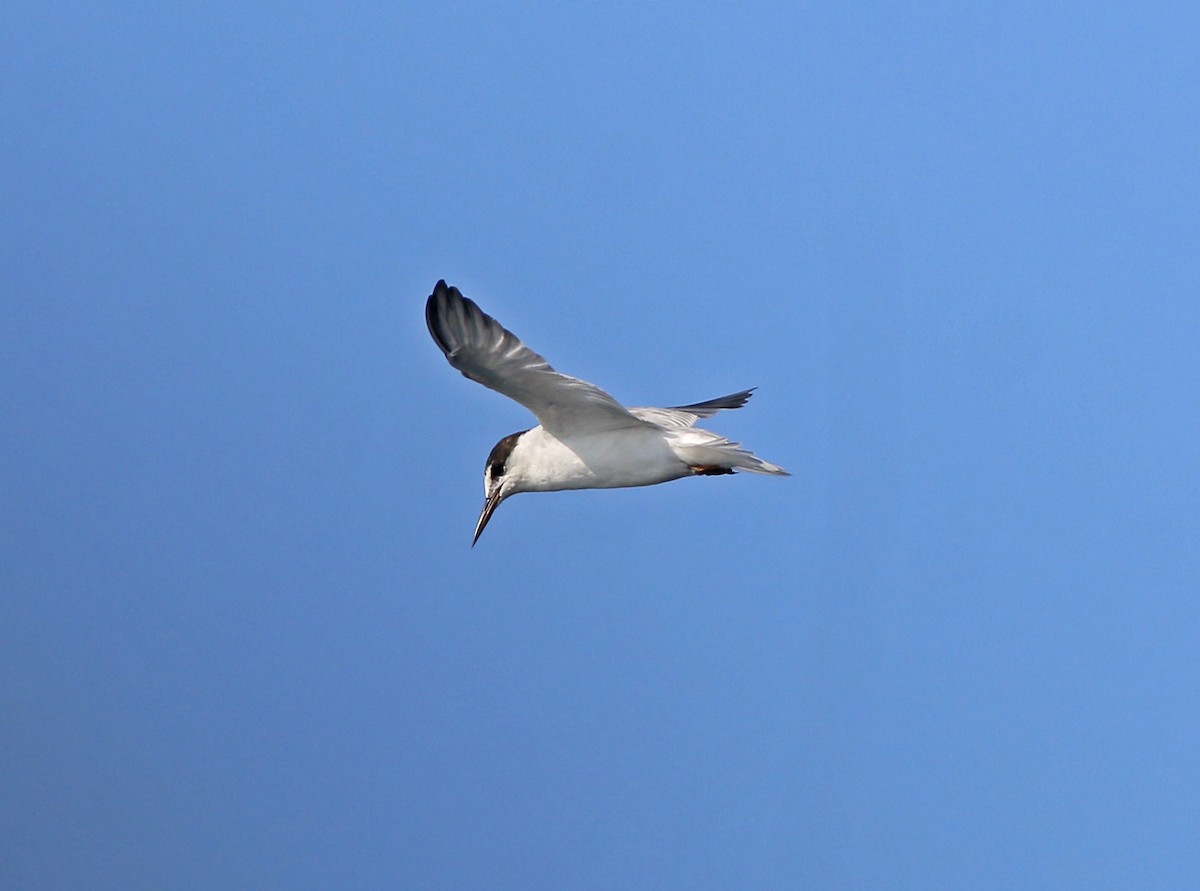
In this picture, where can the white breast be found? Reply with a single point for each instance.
(614, 459)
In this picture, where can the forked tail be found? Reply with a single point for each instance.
(707, 453)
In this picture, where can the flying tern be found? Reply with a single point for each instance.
(586, 439)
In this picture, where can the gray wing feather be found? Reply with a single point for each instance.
(488, 353)
(687, 415)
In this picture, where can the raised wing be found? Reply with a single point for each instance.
(486, 352)
(687, 415)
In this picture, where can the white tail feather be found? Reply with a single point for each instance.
(702, 448)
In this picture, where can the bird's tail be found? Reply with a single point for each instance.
(712, 453)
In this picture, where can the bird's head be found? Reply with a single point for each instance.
(498, 480)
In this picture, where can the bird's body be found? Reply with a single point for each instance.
(586, 439)
(543, 462)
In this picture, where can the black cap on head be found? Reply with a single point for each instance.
(497, 459)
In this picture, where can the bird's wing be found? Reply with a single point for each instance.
(486, 352)
(687, 415)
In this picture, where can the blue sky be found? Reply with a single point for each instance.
(244, 641)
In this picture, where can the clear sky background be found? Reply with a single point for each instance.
(244, 641)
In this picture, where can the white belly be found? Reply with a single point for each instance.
(636, 457)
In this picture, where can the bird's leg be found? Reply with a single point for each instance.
(709, 469)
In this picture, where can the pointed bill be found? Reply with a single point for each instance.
(489, 507)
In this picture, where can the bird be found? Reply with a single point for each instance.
(585, 439)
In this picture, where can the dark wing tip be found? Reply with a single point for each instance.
(455, 321)
(436, 310)
(741, 397)
(733, 400)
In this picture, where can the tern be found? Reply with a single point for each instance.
(586, 439)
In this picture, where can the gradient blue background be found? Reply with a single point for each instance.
(243, 640)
